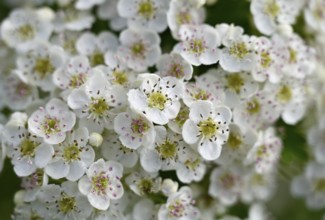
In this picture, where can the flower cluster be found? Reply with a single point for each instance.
(107, 124)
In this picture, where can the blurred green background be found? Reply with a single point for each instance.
(282, 206)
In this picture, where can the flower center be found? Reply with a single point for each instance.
(33, 180)
(69, 45)
(26, 32)
(183, 18)
(139, 126)
(207, 128)
(100, 183)
(284, 94)
(167, 150)
(197, 46)
(51, 125)
(262, 152)
(235, 82)
(97, 58)
(145, 186)
(253, 107)
(27, 147)
(292, 55)
(234, 141)
(272, 8)
(138, 49)
(34, 216)
(182, 116)
(98, 106)
(192, 164)
(43, 66)
(23, 89)
(239, 50)
(77, 80)
(146, 9)
(258, 179)
(265, 59)
(120, 77)
(320, 185)
(157, 100)
(176, 209)
(67, 204)
(71, 153)
(227, 181)
(176, 70)
(201, 95)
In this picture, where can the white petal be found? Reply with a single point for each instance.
(43, 155)
(98, 201)
(77, 169)
(209, 150)
(190, 132)
(84, 185)
(57, 169)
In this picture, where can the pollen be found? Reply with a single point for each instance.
(167, 150)
(253, 107)
(51, 125)
(28, 147)
(176, 209)
(97, 58)
(146, 9)
(239, 50)
(197, 46)
(265, 59)
(157, 100)
(272, 9)
(67, 204)
(43, 66)
(208, 128)
(98, 107)
(26, 32)
(120, 77)
(292, 55)
(100, 182)
(138, 49)
(139, 126)
(145, 186)
(192, 164)
(71, 153)
(201, 95)
(235, 82)
(77, 80)
(284, 94)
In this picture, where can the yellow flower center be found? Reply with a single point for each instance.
(145, 186)
(120, 77)
(197, 46)
(235, 82)
(272, 9)
(71, 153)
(67, 204)
(157, 100)
(292, 55)
(192, 164)
(43, 66)
(139, 126)
(97, 58)
(100, 183)
(167, 150)
(234, 141)
(284, 94)
(183, 18)
(99, 106)
(239, 50)
(146, 9)
(201, 95)
(51, 125)
(28, 147)
(77, 80)
(138, 50)
(176, 70)
(208, 128)
(265, 59)
(26, 32)
(253, 107)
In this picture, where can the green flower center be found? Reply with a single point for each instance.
(146, 9)
(100, 183)
(26, 32)
(43, 66)
(77, 80)
(98, 106)
(157, 100)
(292, 55)
(71, 153)
(234, 141)
(265, 59)
(69, 45)
(120, 77)
(167, 150)
(197, 46)
(139, 126)
(235, 82)
(239, 50)
(176, 70)
(182, 116)
(145, 186)
(272, 9)
(253, 107)
(183, 18)
(208, 128)
(201, 95)
(28, 147)
(67, 204)
(138, 49)
(320, 185)
(262, 151)
(51, 125)
(192, 164)
(284, 94)
(97, 58)
(176, 209)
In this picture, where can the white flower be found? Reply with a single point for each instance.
(174, 65)
(71, 157)
(199, 44)
(207, 127)
(265, 153)
(157, 98)
(145, 209)
(238, 53)
(142, 183)
(32, 184)
(314, 15)
(183, 12)
(163, 154)
(179, 206)
(268, 14)
(237, 146)
(102, 183)
(108, 10)
(52, 122)
(149, 14)
(23, 27)
(17, 94)
(113, 149)
(72, 19)
(95, 47)
(177, 123)
(64, 202)
(139, 48)
(134, 130)
(225, 184)
(72, 75)
(87, 4)
(27, 151)
(96, 101)
(190, 166)
(37, 65)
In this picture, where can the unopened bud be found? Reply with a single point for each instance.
(95, 139)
